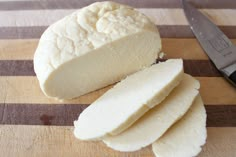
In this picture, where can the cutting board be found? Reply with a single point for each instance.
(33, 125)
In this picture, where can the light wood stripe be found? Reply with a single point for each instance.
(222, 17)
(22, 89)
(26, 18)
(217, 90)
(17, 49)
(58, 4)
(166, 31)
(188, 49)
(17, 0)
(221, 142)
(183, 48)
(28, 141)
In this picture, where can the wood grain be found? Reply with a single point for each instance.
(23, 104)
(16, 68)
(203, 68)
(166, 31)
(34, 141)
(221, 142)
(40, 114)
(200, 68)
(65, 114)
(217, 89)
(18, 49)
(186, 48)
(164, 16)
(25, 89)
(221, 115)
(69, 4)
(181, 31)
(159, 16)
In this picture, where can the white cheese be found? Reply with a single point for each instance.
(155, 123)
(94, 47)
(186, 137)
(128, 100)
(161, 55)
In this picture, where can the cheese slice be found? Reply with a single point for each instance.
(128, 100)
(94, 47)
(155, 123)
(186, 137)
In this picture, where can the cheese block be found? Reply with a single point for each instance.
(94, 47)
(128, 100)
(155, 123)
(186, 137)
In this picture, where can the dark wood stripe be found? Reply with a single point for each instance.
(221, 115)
(166, 31)
(16, 68)
(175, 31)
(65, 114)
(22, 32)
(74, 4)
(40, 114)
(200, 68)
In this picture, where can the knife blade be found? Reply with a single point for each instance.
(214, 42)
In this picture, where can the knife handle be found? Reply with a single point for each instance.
(229, 72)
(232, 78)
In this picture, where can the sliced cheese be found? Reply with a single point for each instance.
(155, 123)
(186, 137)
(128, 100)
(94, 47)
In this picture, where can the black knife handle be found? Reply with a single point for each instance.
(229, 73)
(232, 77)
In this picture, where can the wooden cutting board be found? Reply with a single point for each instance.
(33, 125)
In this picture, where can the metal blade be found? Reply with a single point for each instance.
(215, 43)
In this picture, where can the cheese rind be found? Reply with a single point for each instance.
(186, 137)
(128, 100)
(94, 47)
(155, 122)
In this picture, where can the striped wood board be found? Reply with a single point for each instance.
(33, 125)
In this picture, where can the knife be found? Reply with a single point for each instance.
(215, 43)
